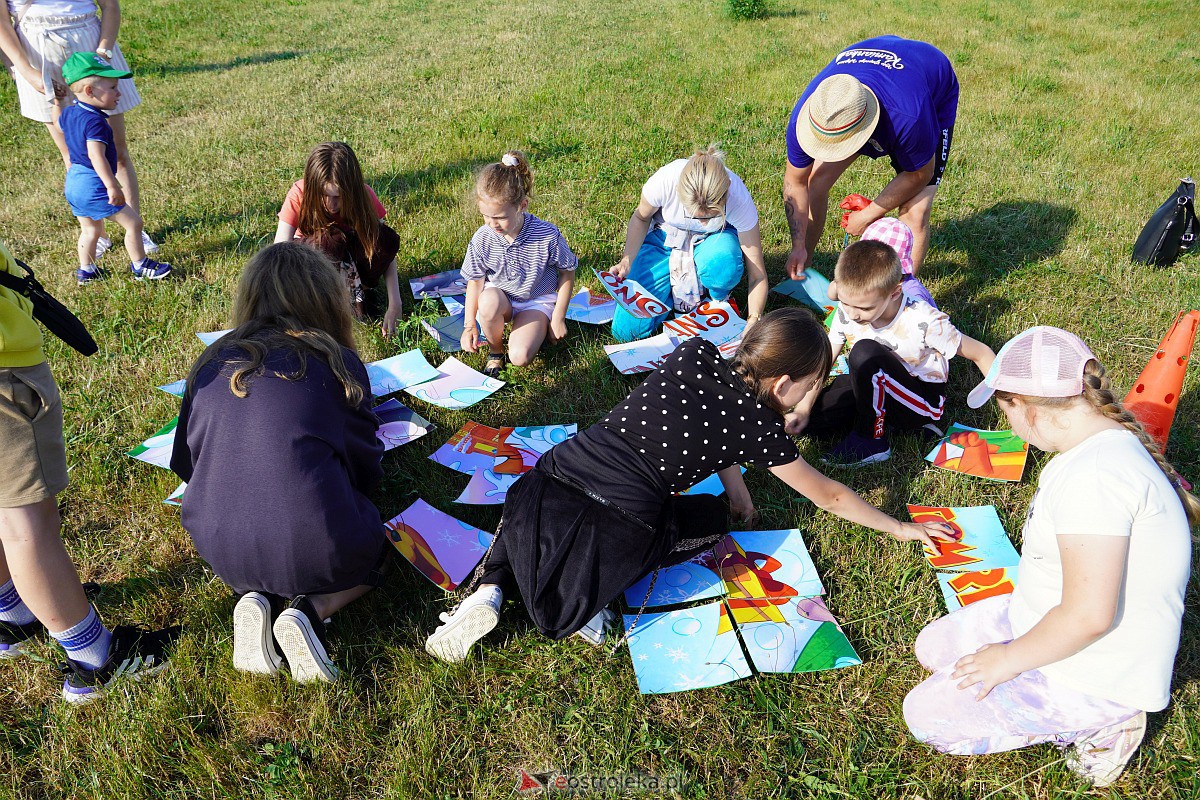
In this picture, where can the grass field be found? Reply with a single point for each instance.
(1074, 125)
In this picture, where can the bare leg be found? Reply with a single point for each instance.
(494, 311)
(32, 555)
(89, 231)
(528, 333)
(820, 182)
(131, 221)
(327, 605)
(61, 143)
(915, 214)
(125, 172)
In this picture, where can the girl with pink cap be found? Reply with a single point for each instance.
(1085, 645)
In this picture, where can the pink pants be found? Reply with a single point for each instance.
(1026, 710)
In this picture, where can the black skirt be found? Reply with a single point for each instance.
(570, 552)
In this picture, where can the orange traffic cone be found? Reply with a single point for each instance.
(1155, 395)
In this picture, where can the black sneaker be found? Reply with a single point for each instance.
(133, 654)
(12, 635)
(300, 634)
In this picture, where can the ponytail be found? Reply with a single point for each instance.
(509, 180)
(788, 341)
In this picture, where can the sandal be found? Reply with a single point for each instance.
(495, 364)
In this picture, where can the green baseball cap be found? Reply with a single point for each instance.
(86, 65)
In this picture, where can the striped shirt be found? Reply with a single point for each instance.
(526, 268)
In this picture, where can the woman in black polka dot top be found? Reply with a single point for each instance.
(599, 511)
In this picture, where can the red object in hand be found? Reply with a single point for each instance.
(852, 203)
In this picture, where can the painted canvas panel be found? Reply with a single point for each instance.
(448, 331)
(175, 498)
(840, 367)
(439, 284)
(474, 447)
(980, 539)
(209, 338)
(695, 579)
(157, 449)
(710, 485)
(177, 388)
(644, 355)
(398, 372)
(453, 305)
(960, 589)
(399, 424)
(593, 309)
(812, 291)
(632, 296)
(518, 452)
(680, 650)
(995, 455)
(798, 636)
(456, 386)
(717, 322)
(442, 548)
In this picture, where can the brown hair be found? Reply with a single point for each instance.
(704, 182)
(868, 266)
(335, 162)
(788, 341)
(506, 184)
(1097, 392)
(291, 297)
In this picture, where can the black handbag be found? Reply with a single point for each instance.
(1171, 231)
(57, 318)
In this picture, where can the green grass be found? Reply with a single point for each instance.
(1072, 129)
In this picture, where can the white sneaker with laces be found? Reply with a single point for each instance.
(147, 244)
(253, 642)
(103, 245)
(598, 627)
(1100, 756)
(474, 618)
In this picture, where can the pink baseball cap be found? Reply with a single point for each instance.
(1041, 362)
(895, 234)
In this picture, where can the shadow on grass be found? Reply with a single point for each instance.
(241, 61)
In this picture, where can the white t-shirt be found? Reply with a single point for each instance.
(1108, 485)
(662, 191)
(52, 8)
(923, 338)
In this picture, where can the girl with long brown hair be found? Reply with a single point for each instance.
(276, 441)
(332, 209)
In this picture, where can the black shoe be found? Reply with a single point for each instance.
(12, 635)
(134, 653)
(495, 365)
(300, 634)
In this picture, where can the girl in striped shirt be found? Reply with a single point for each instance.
(518, 269)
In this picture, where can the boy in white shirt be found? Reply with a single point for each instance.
(900, 349)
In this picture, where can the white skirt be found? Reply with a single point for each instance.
(48, 43)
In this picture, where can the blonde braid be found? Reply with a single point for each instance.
(1098, 393)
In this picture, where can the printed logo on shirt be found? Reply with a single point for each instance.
(880, 58)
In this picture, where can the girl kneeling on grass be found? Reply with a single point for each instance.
(334, 211)
(518, 269)
(599, 511)
(276, 440)
(1084, 646)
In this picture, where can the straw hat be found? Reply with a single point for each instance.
(837, 118)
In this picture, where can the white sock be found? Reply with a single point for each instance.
(87, 642)
(12, 607)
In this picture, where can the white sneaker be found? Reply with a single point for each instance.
(299, 632)
(474, 618)
(103, 245)
(253, 642)
(147, 244)
(1100, 756)
(597, 628)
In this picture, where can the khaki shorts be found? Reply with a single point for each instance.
(33, 457)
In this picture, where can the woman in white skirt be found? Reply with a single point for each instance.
(37, 39)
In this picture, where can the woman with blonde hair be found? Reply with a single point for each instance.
(691, 237)
(276, 441)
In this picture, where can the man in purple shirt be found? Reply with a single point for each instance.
(883, 96)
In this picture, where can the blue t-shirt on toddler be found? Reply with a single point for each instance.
(918, 99)
(82, 123)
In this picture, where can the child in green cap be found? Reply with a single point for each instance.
(91, 187)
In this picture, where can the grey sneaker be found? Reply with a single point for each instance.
(147, 244)
(598, 627)
(1100, 756)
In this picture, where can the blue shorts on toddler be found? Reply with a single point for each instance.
(86, 194)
